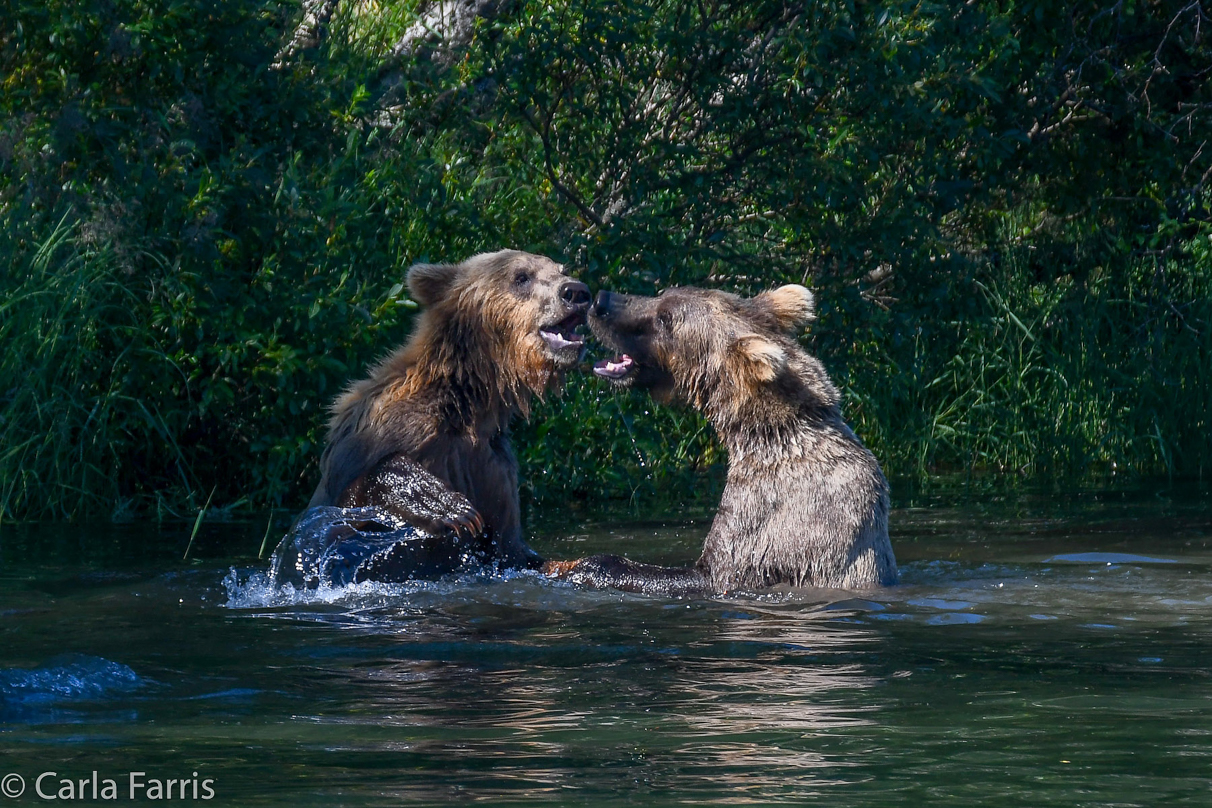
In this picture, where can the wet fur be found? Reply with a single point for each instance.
(805, 504)
(427, 433)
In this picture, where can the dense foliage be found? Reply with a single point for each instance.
(1004, 209)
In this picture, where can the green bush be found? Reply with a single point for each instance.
(1003, 208)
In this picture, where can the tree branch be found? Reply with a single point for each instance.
(310, 31)
(548, 155)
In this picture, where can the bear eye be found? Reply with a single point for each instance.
(521, 279)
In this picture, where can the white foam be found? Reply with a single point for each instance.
(257, 592)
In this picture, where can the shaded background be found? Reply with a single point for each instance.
(206, 211)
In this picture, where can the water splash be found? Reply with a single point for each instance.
(334, 547)
(262, 590)
(72, 677)
(57, 692)
(258, 590)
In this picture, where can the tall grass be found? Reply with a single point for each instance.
(1107, 372)
(70, 427)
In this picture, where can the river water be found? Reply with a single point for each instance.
(1043, 649)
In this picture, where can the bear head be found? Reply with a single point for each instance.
(703, 346)
(513, 311)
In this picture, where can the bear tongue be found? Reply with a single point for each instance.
(558, 341)
(614, 368)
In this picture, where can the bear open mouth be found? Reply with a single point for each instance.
(614, 369)
(563, 334)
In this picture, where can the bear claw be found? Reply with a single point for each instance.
(467, 526)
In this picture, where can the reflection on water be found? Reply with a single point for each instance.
(1041, 651)
(787, 685)
(741, 715)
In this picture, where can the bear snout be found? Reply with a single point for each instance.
(575, 294)
(601, 305)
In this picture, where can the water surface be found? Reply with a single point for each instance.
(1042, 650)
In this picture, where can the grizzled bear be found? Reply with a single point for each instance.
(418, 467)
(805, 503)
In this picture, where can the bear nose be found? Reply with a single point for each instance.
(601, 305)
(575, 294)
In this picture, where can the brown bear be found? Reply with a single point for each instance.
(805, 503)
(423, 442)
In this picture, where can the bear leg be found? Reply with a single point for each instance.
(617, 572)
(404, 488)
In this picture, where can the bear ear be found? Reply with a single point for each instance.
(792, 306)
(429, 283)
(760, 358)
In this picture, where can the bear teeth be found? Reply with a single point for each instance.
(614, 368)
(559, 341)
